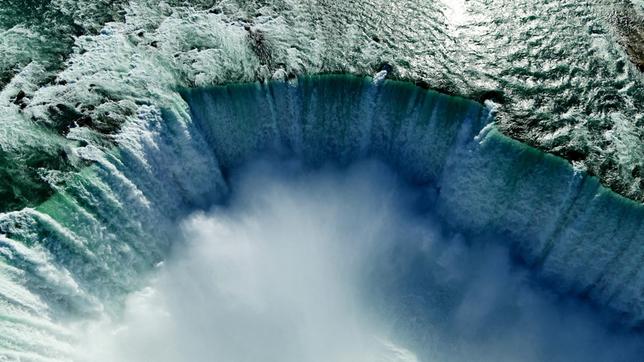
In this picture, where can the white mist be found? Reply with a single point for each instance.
(275, 276)
(337, 266)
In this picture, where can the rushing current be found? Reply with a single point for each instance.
(321, 180)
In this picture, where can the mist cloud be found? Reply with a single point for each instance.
(340, 265)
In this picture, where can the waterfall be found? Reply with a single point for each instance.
(584, 238)
(79, 254)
